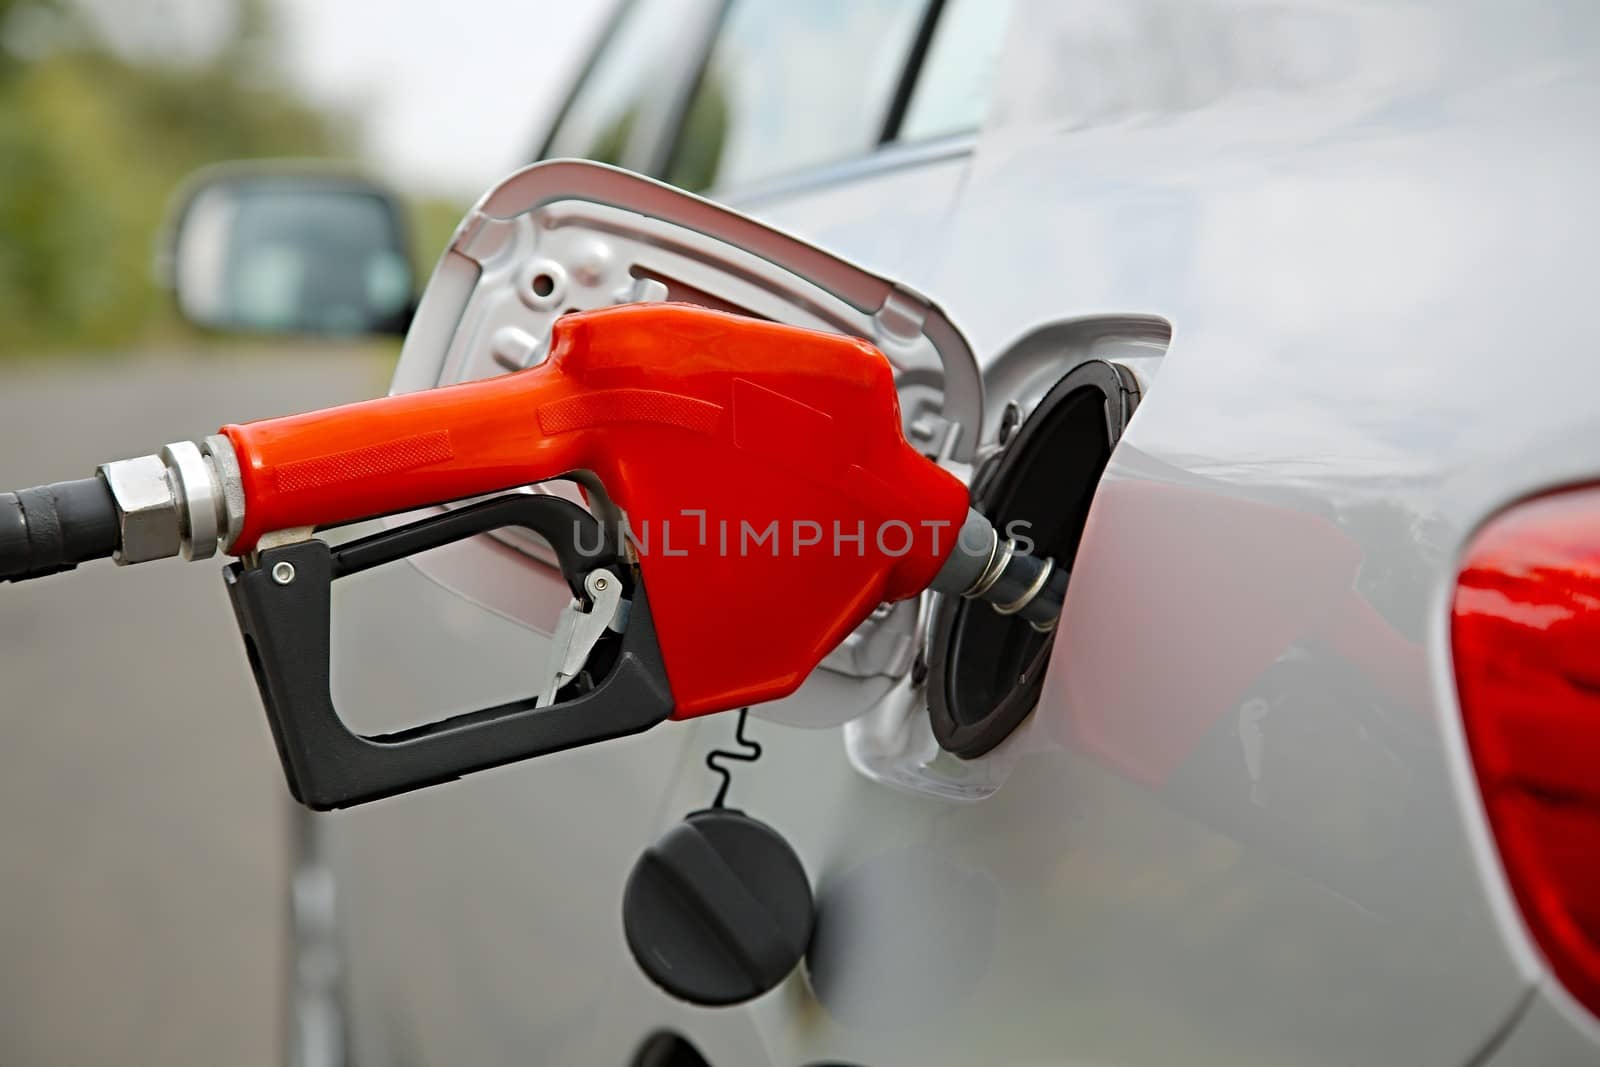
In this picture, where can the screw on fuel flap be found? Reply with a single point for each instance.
(719, 910)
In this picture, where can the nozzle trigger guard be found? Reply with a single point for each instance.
(285, 625)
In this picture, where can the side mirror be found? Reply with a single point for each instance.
(289, 249)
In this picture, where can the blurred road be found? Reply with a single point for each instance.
(143, 822)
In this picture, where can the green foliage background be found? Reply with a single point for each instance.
(92, 147)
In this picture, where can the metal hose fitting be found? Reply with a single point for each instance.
(186, 499)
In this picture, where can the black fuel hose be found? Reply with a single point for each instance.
(53, 528)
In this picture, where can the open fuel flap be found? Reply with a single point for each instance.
(570, 235)
(1060, 399)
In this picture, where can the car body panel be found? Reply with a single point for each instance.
(1552, 1029)
(1241, 826)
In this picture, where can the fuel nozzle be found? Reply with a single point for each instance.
(986, 566)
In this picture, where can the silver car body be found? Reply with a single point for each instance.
(1241, 826)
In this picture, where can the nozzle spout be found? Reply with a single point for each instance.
(985, 566)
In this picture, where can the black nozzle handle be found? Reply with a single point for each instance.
(53, 528)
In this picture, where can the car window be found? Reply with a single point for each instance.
(953, 88)
(614, 92)
(790, 85)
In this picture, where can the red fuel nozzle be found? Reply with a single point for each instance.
(769, 499)
(769, 491)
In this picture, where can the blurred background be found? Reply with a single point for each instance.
(106, 105)
(143, 824)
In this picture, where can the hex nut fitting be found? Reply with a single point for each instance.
(147, 509)
(189, 499)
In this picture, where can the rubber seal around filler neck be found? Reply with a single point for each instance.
(970, 637)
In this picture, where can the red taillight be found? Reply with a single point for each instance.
(1526, 632)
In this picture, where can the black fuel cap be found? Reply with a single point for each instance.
(719, 910)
